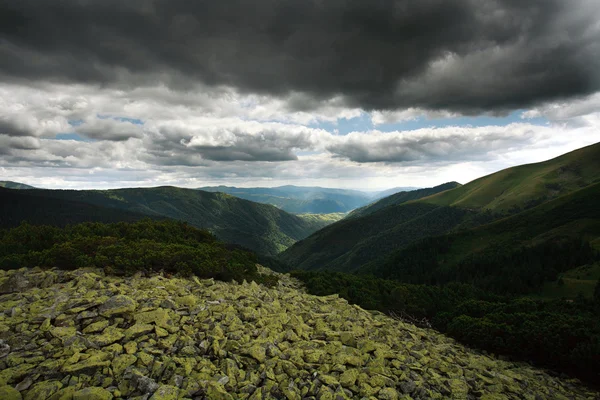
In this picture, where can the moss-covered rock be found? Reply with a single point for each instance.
(96, 326)
(119, 304)
(43, 390)
(65, 332)
(9, 393)
(109, 336)
(166, 392)
(257, 352)
(161, 317)
(121, 362)
(64, 393)
(93, 393)
(137, 330)
(348, 377)
(93, 362)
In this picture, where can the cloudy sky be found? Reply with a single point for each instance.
(340, 93)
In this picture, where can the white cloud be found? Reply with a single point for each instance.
(203, 137)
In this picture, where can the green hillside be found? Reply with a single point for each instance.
(516, 254)
(521, 187)
(352, 242)
(325, 219)
(33, 206)
(259, 227)
(365, 240)
(401, 197)
(14, 185)
(298, 199)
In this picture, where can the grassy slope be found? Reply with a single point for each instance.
(401, 197)
(350, 243)
(581, 280)
(575, 215)
(518, 186)
(259, 227)
(14, 185)
(326, 219)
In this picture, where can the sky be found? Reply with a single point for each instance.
(366, 94)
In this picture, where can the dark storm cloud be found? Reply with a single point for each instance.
(460, 55)
(10, 129)
(189, 144)
(441, 145)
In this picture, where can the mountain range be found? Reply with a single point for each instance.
(485, 232)
(259, 227)
(310, 200)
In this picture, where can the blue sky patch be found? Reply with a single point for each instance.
(364, 123)
(73, 136)
(135, 121)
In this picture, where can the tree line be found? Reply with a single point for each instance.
(122, 248)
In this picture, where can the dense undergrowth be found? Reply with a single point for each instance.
(125, 248)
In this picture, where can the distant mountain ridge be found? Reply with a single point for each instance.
(350, 243)
(301, 199)
(388, 192)
(259, 227)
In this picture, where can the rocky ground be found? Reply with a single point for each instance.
(83, 335)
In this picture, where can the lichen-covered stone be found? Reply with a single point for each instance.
(130, 347)
(94, 362)
(96, 326)
(109, 336)
(216, 390)
(165, 392)
(160, 317)
(64, 393)
(63, 332)
(257, 352)
(93, 393)
(118, 304)
(8, 393)
(144, 384)
(348, 377)
(43, 390)
(121, 362)
(348, 338)
(137, 330)
(187, 301)
(388, 394)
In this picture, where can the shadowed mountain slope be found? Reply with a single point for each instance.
(259, 227)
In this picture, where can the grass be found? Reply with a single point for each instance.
(525, 185)
(322, 218)
(581, 280)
